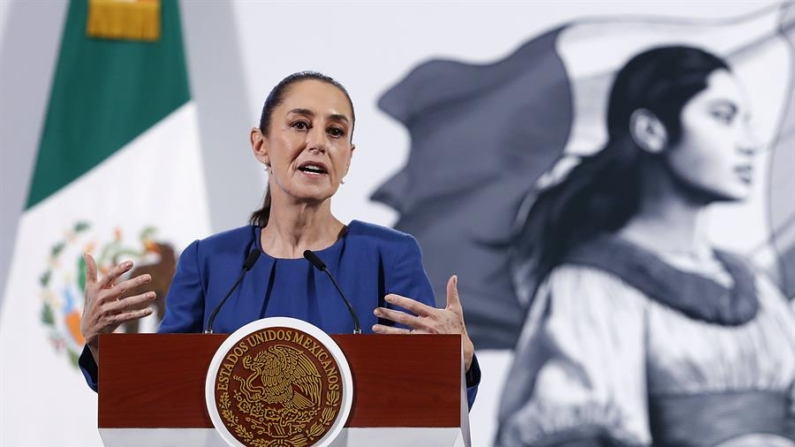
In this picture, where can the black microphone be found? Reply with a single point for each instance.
(249, 262)
(320, 265)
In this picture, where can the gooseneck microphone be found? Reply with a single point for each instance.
(320, 265)
(249, 262)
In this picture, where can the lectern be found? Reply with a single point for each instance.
(408, 391)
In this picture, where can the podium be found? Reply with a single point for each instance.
(408, 391)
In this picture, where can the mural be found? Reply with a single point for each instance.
(616, 197)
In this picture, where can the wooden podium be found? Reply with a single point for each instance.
(408, 391)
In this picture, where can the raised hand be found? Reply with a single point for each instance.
(427, 319)
(104, 308)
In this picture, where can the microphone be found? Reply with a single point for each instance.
(320, 265)
(249, 262)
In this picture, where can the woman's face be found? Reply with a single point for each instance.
(308, 147)
(715, 153)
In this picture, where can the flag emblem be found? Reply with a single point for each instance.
(64, 279)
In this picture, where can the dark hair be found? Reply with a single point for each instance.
(274, 99)
(602, 193)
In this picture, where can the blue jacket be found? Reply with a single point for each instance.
(369, 262)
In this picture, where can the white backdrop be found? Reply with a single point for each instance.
(367, 47)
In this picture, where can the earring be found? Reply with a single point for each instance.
(342, 182)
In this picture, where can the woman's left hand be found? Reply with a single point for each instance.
(427, 319)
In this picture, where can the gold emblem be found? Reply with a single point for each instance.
(278, 387)
(137, 20)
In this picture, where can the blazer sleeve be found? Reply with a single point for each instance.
(185, 299)
(579, 374)
(89, 368)
(407, 278)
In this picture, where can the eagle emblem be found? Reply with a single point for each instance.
(281, 375)
(278, 388)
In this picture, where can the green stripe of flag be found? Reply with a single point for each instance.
(105, 94)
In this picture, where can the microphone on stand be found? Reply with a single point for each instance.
(249, 262)
(320, 265)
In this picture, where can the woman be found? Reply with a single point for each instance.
(640, 333)
(304, 142)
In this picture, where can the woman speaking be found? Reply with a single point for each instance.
(304, 140)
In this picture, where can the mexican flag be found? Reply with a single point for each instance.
(118, 174)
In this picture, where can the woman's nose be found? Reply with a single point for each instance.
(316, 140)
(750, 143)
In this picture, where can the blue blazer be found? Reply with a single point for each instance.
(369, 262)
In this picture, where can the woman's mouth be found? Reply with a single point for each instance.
(313, 168)
(745, 173)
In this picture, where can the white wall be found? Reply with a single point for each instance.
(30, 34)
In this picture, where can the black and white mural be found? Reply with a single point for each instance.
(580, 188)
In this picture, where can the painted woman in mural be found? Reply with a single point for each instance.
(640, 331)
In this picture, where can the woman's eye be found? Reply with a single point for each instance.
(724, 117)
(336, 132)
(301, 125)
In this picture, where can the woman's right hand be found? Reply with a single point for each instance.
(104, 308)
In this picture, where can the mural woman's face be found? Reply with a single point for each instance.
(715, 152)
